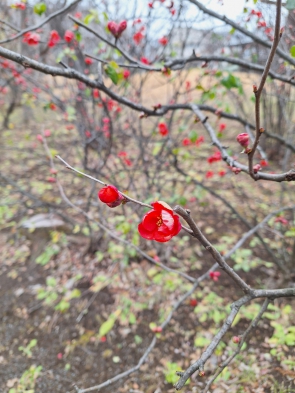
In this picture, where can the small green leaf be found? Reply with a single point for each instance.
(292, 51)
(112, 74)
(39, 8)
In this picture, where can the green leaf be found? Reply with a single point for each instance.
(292, 51)
(290, 5)
(232, 30)
(39, 8)
(88, 18)
(193, 136)
(231, 81)
(112, 74)
(107, 326)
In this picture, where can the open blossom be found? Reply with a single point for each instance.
(243, 139)
(111, 196)
(159, 224)
(163, 129)
(263, 163)
(117, 28)
(31, 38)
(69, 36)
(54, 38)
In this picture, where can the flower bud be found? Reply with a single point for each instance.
(256, 168)
(243, 139)
(236, 339)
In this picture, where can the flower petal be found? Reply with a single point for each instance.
(144, 233)
(150, 220)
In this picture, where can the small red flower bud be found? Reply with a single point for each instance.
(111, 196)
(47, 133)
(201, 373)
(261, 130)
(69, 36)
(236, 339)
(51, 179)
(243, 139)
(214, 275)
(193, 302)
(103, 339)
(59, 356)
(53, 171)
(163, 129)
(236, 170)
(254, 88)
(40, 138)
(256, 168)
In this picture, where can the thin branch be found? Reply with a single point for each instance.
(258, 91)
(37, 26)
(243, 30)
(243, 338)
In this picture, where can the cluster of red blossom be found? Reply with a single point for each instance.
(32, 38)
(261, 23)
(159, 224)
(124, 156)
(19, 6)
(169, 6)
(188, 142)
(17, 78)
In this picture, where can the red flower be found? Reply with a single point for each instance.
(78, 15)
(263, 163)
(144, 60)
(222, 173)
(214, 275)
(54, 38)
(222, 127)
(282, 220)
(193, 302)
(261, 24)
(47, 133)
(20, 6)
(87, 134)
(69, 36)
(103, 339)
(126, 74)
(122, 154)
(111, 196)
(117, 29)
(163, 129)
(215, 157)
(163, 41)
(200, 140)
(187, 85)
(173, 11)
(186, 142)
(31, 38)
(138, 37)
(52, 106)
(88, 60)
(40, 138)
(159, 224)
(127, 162)
(150, 5)
(209, 174)
(51, 179)
(157, 329)
(243, 139)
(96, 93)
